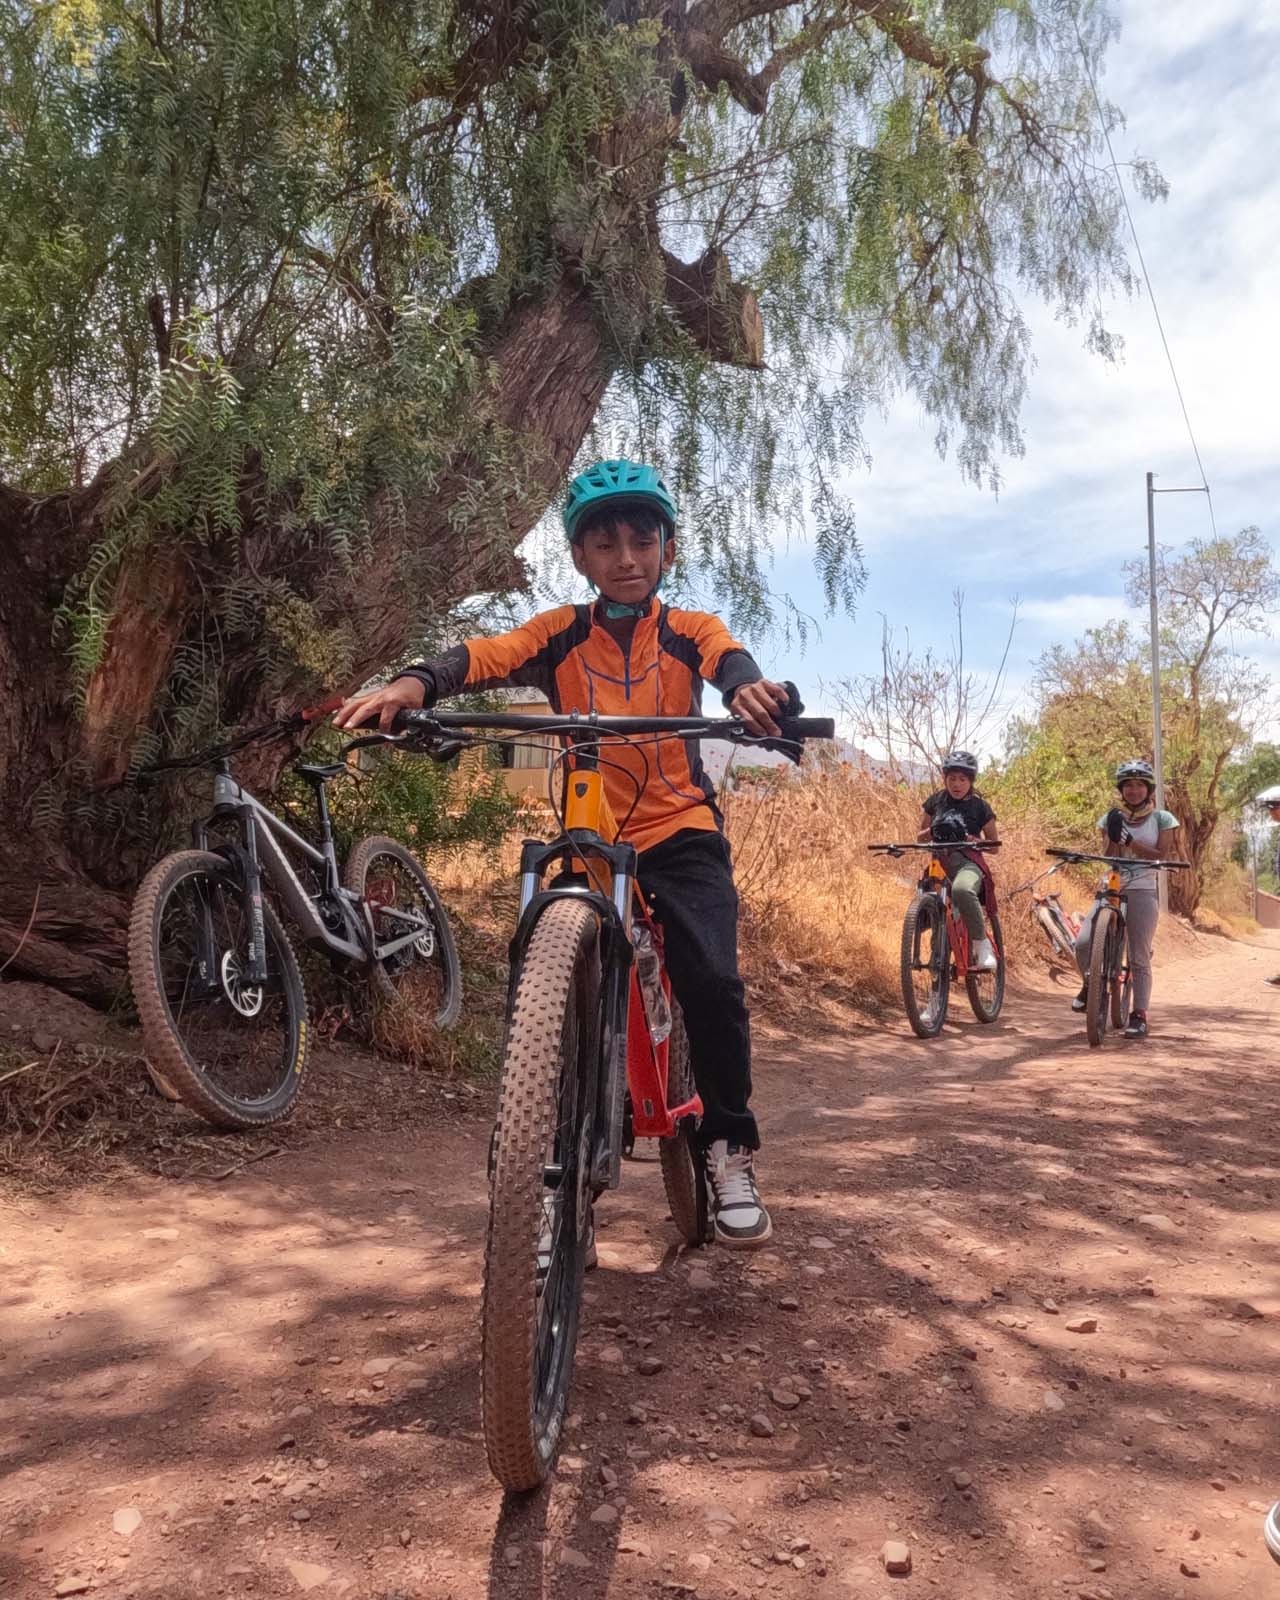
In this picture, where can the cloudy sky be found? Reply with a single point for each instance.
(1200, 87)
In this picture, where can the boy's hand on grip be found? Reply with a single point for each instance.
(383, 704)
(759, 704)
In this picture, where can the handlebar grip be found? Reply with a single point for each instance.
(807, 727)
(407, 717)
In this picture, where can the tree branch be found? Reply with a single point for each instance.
(721, 317)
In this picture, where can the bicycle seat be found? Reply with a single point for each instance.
(320, 774)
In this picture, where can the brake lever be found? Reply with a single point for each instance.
(369, 739)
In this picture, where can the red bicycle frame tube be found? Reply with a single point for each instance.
(648, 1063)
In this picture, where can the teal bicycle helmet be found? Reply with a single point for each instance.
(617, 484)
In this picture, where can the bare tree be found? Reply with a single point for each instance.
(923, 703)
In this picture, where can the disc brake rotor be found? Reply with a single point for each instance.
(246, 998)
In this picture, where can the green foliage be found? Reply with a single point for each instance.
(1094, 704)
(429, 806)
(1242, 780)
(259, 257)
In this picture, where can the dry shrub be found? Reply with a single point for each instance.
(821, 914)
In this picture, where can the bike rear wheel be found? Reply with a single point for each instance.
(986, 989)
(1098, 987)
(426, 974)
(235, 1052)
(540, 1196)
(1121, 994)
(926, 965)
(679, 1154)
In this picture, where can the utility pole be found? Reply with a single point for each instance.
(1157, 731)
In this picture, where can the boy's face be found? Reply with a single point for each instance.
(957, 784)
(625, 564)
(1134, 793)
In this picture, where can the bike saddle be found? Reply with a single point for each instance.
(320, 774)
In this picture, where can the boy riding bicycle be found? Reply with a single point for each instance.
(630, 654)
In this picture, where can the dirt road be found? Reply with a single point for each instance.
(1022, 1315)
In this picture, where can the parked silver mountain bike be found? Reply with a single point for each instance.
(216, 980)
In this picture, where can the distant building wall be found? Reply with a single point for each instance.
(1268, 909)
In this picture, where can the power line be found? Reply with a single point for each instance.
(1142, 262)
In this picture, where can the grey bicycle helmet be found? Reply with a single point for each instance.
(961, 761)
(1142, 770)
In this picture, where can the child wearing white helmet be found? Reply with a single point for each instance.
(1134, 828)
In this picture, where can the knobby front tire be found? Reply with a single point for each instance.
(540, 1203)
(926, 965)
(986, 989)
(236, 1054)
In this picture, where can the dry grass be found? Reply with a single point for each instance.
(822, 916)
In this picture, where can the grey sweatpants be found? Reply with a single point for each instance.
(1142, 914)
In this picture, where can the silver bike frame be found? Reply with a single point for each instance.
(228, 795)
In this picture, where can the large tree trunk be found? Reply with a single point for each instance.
(69, 854)
(73, 839)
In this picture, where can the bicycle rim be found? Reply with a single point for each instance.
(926, 965)
(540, 1200)
(234, 1050)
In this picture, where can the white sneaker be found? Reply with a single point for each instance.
(740, 1217)
(983, 957)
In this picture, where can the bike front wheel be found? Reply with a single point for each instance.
(1102, 973)
(926, 965)
(540, 1195)
(424, 973)
(235, 1051)
(986, 989)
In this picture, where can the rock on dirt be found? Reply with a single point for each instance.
(307, 1575)
(762, 1426)
(895, 1557)
(126, 1521)
(1082, 1325)
(76, 1584)
(1158, 1222)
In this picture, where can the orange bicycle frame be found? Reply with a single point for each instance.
(587, 810)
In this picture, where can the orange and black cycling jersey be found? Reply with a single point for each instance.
(583, 662)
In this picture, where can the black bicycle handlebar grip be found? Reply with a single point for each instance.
(407, 717)
(807, 727)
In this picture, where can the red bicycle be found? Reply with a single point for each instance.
(935, 947)
(1061, 927)
(590, 1018)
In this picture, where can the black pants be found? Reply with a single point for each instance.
(688, 880)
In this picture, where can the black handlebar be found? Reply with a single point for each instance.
(1074, 856)
(937, 846)
(795, 730)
